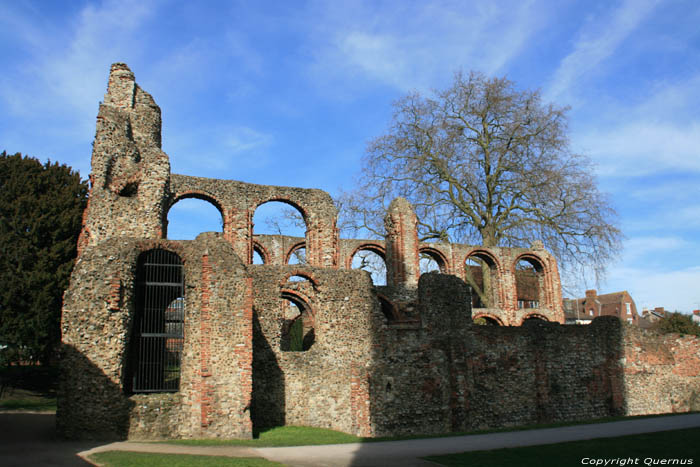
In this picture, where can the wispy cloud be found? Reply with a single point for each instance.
(206, 151)
(673, 289)
(597, 41)
(412, 47)
(641, 147)
(650, 246)
(62, 76)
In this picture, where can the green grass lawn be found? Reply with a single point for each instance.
(137, 459)
(303, 436)
(28, 388)
(278, 437)
(649, 449)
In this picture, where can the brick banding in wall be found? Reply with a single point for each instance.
(399, 359)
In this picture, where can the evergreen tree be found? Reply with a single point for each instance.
(41, 210)
(678, 323)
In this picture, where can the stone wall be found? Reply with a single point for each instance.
(448, 375)
(373, 361)
(216, 373)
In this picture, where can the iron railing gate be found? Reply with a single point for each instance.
(159, 325)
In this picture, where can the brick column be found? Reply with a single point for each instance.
(401, 245)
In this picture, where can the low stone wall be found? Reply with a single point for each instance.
(449, 375)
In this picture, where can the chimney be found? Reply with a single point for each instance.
(591, 294)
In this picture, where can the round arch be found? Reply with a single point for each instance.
(495, 274)
(301, 273)
(292, 249)
(280, 199)
(534, 316)
(298, 332)
(525, 297)
(438, 256)
(373, 247)
(193, 194)
(489, 318)
(262, 251)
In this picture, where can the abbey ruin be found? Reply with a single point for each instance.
(190, 339)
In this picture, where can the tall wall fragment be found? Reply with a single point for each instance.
(375, 360)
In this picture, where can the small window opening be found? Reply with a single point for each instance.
(298, 333)
(297, 256)
(372, 262)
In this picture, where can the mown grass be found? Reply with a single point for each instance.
(28, 388)
(645, 449)
(305, 436)
(279, 437)
(139, 459)
(32, 404)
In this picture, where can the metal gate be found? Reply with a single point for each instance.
(159, 323)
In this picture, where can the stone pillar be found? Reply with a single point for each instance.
(402, 269)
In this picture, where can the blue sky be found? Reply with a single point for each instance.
(289, 93)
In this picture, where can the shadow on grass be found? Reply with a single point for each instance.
(678, 447)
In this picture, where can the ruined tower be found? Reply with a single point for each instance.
(130, 172)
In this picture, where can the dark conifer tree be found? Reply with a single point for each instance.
(41, 209)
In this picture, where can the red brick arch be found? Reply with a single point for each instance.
(370, 246)
(292, 249)
(438, 256)
(194, 194)
(262, 251)
(533, 315)
(498, 320)
(541, 269)
(301, 273)
(496, 266)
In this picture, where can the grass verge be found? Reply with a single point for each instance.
(33, 404)
(306, 436)
(645, 449)
(138, 459)
(279, 437)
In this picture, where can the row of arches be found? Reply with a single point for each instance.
(192, 213)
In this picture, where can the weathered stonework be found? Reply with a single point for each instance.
(376, 360)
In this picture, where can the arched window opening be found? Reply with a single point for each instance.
(481, 277)
(485, 320)
(430, 261)
(534, 318)
(528, 283)
(258, 257)
(157, 337)
(279, 218)
(298, 326)
(297, 255)
(189, 217)
(372, 262)
(298, 278)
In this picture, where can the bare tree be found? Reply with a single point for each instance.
(485, 163)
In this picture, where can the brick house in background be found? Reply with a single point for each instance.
(696, 317)
(649, 317)
(584, 310)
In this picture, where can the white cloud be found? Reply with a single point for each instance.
(416, 46)
(641, 147)
(652, 246)
(207, 151)
(674, 290)
(598, 41)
